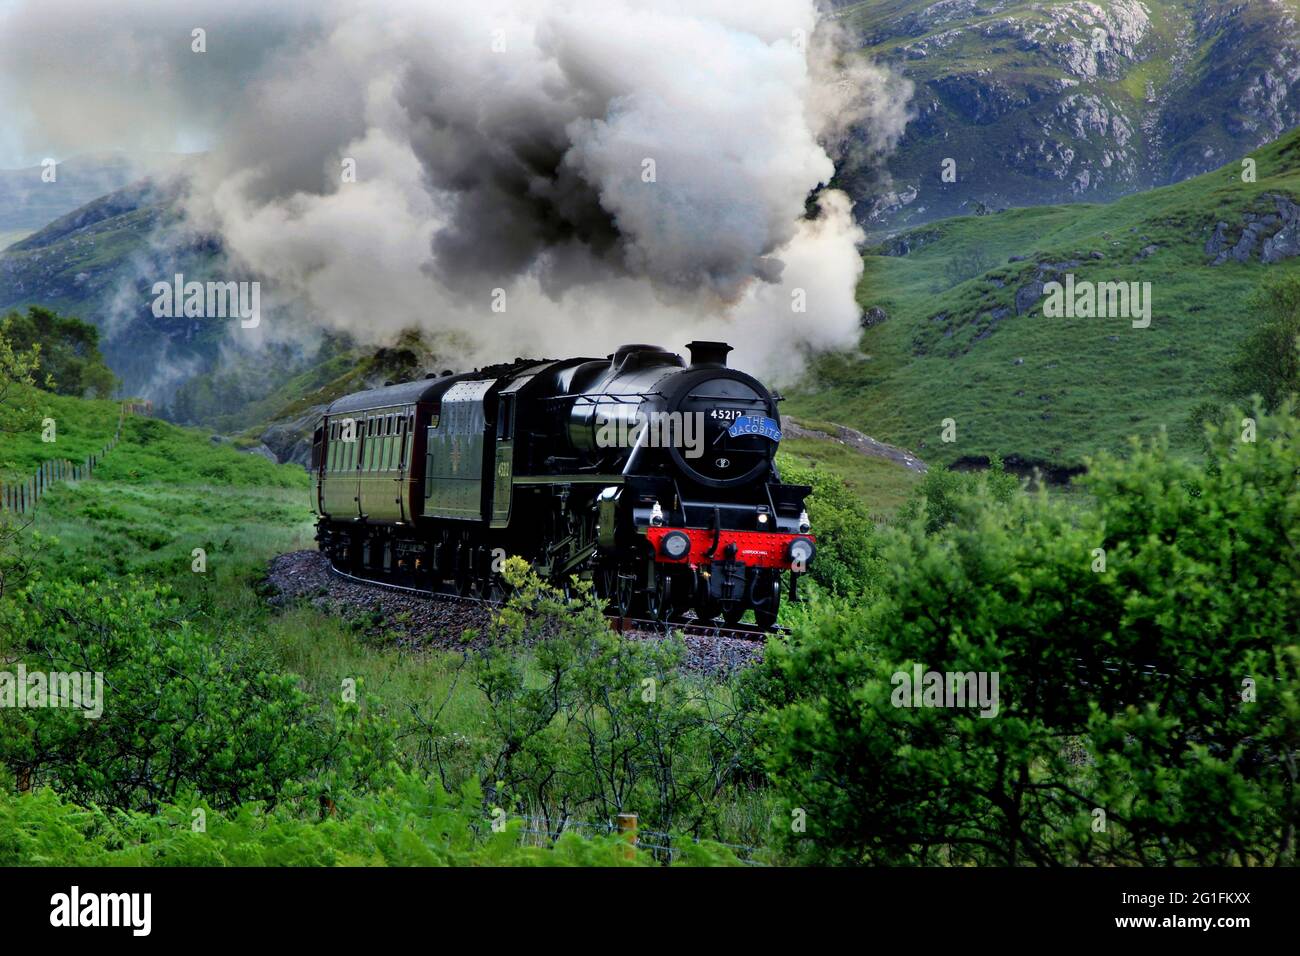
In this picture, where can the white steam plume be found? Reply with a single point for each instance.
(500, 145)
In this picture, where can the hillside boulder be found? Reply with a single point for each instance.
(873, 316)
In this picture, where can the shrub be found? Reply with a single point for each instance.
(593, 724)
(1148, 705)
(941, 492)
(1267, 363)
(182, 710)
(409, 824)
(847, 551)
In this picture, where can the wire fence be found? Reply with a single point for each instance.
(21, 497)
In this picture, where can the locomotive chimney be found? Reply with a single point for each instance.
(708, 353)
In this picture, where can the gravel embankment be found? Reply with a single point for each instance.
(416, 622)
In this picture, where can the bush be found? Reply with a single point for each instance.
(847, 551)
(182, 710)
(409, 824)
(940, 493)
(1148, 709)
(1267, 363)
(591, 724)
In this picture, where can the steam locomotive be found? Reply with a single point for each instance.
(653, 478)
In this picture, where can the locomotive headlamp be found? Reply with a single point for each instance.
(801, 552)
(675, 545)
(804, 524)
(762, 518)
(656, 516)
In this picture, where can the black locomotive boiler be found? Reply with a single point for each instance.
(654, 478)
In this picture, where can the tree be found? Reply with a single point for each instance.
(1147, 664)
(18, 367)
(1268, 361)
(68, 350)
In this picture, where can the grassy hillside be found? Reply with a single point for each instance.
(882, 486)
(99, 263)
(151, 451)
(955, 345)
(82, 428)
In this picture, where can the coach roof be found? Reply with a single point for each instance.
(407, 393)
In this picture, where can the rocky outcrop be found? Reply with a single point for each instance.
(1272, 235)
(907, 242)
(873, 316)
(1030, 295)
(263, 452)
(1055, 102)
(1285, 243)
(290, 441)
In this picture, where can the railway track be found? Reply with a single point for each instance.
(620, 623)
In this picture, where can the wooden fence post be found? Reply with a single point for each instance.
(23, 496)
(627, 829)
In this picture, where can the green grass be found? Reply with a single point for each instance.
(165, 491)
(81, 428)
(882, 486)
(156, 451)
(152, 451)
(1084, 384)
(160, 493)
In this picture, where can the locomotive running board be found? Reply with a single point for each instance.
(568, 480)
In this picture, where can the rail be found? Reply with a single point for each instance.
(690, 627)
